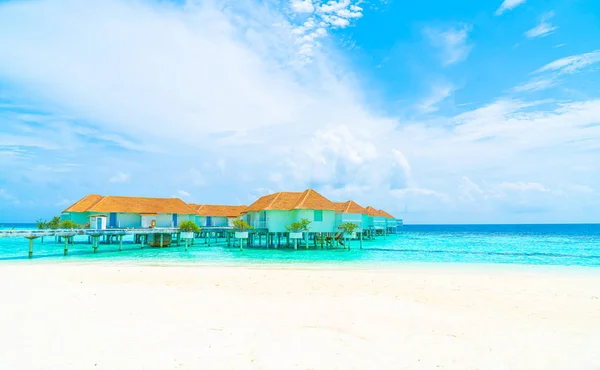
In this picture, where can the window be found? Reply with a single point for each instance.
(318, 216)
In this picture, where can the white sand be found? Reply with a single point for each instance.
(92, 316)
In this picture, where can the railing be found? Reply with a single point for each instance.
(90, 232)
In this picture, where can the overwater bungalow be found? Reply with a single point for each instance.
(391, 223)
(211, 215)
(106, 212)
(350, 211)
(377, 220)
(274, 212)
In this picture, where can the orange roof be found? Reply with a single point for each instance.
(97, 203)
(85, 203)
(287, 201)
(385, 214)
(217, 210)
(349, 207)
(373, 212)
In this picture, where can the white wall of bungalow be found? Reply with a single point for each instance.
(352, 212)
(276, 211)
(129, 212)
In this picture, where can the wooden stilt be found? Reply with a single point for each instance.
(361, 239)
(66, 251)
(95, 244)
(241, 244)
(161, 240)
(142, 239)
(120, 242)
(187, 241)
(30, 247)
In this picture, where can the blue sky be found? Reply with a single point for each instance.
(437, 111)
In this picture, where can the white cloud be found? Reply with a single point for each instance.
(120, 177)
(324, 15)
(572, 64)
(438, 94)
(508, 5)
(581, 189)
(217, 88)
(523, 186)
(550, 74)
(544, 28)
(470, 190)
(302, 6)
(536, 85)
(418, 192)
(183, 193)
(452, 42)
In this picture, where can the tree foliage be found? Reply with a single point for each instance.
(241, 225)
(189, 227)
(348, 227)
(297, 227)
(53, 224)
(68, 224)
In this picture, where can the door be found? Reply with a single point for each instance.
(112, 220)
(208, 221)
(99, 223)
(174, 219)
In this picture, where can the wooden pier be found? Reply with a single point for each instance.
(94, 236)
(212, 236)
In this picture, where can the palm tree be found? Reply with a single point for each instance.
(54, 223)
(41, 225)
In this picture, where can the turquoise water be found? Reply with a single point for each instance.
(561, 245)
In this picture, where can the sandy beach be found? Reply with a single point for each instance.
(103, 316)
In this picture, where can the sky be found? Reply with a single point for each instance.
(436, 111)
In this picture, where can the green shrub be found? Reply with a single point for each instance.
(297, 227)
(53, 224)
(241, 225)
(189, 227)
(348, 227)
(68, 224)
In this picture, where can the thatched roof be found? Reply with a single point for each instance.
(287, 201)
(108, 204)
(349, 207)
(214, 210)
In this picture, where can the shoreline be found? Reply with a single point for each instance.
(369, 266)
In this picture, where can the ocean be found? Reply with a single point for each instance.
(559, 245)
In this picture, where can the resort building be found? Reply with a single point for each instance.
(105, 212)
(350, 211)
(377, 220)
(210, 215)
(390, 222)
(276, 211)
